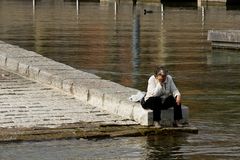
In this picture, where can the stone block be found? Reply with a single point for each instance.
(83, 86)
(117, 102)
(93, 83)
(45, 77)
(111, 103)
(70, 75)
(33, 72)
(142, 116)
(125, 109)
(12, 64)
(67, 86)
(79, 91)
(113, 99)
(96, 97)
(23, 69)
(2, 60)
(122, 93)
(24, 63)
(57, 81)
(167, 116)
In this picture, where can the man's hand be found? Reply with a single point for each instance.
(178, 100)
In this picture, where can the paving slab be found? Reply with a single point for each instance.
(25, 103)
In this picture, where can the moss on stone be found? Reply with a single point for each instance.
(85, 130)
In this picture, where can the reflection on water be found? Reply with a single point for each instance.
(117, 41)
(165, 147)
(142, 148)
(223, 57)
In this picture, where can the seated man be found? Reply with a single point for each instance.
(162, 94)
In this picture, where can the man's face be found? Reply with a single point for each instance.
(161, 78)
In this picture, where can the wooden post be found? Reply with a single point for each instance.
(77, 6)
(34, 4)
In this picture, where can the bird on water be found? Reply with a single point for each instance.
(147, 11)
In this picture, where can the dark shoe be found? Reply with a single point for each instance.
(177, 124)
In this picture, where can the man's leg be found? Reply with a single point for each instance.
(154, 103)
(171, 102)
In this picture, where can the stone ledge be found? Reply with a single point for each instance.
(224, 38)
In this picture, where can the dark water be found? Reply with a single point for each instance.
(118, 42)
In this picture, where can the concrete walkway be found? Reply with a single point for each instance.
(86, 87)
(25, 104)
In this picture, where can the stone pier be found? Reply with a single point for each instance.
(86, 87)
(39, 96)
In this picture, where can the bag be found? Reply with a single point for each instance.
(137, 97)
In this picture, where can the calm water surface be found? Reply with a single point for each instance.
(118, 42)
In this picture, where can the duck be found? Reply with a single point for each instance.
(147, 11)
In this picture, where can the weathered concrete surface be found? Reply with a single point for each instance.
(224, 38)
(85, 130)
(86, 87)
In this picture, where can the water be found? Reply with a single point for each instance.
(118, 42)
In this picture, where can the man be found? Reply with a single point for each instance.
(162, 94)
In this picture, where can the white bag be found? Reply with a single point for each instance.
(137, 97)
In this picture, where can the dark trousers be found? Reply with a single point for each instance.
(155, 104)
